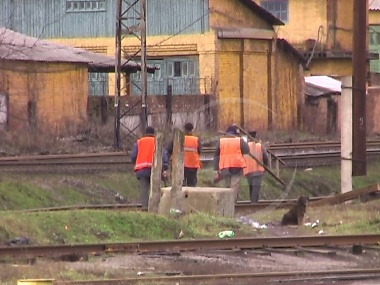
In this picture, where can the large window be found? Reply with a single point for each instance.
(85, 5)
(97, 84)
(278, 8)
(181, 73)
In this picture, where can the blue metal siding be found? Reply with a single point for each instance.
(169, 17)
(49, 19)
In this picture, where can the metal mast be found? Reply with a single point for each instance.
(130, 21)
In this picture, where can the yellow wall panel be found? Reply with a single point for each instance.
(228, 89)
(374, 17)
(59, 90)
(255, 90)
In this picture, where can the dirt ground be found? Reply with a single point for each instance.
(218, 262)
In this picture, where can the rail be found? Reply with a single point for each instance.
(190, 245)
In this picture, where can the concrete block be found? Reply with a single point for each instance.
(214, 201)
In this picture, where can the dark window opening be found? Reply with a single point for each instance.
(177, 69)
(32, 113)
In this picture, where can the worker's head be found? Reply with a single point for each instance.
(231, 130)
(189, 127)
(252, 133)
(149, 131)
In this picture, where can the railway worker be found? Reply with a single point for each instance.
(142, 157)
(192, 151)
(254, 172)
(229, 159)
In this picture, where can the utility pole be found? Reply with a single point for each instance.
(130, 20)
(144, 82)
(117, 74)
(359, 65)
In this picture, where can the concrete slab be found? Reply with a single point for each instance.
(214, 201)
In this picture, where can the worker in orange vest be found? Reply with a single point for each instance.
(229, 159)
(192, 151)
(254, 172)
(142, 156)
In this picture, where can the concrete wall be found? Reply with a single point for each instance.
(58, 90)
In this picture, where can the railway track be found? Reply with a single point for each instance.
(241, 207)
(199, 245)
(300, 154)
(292, 277)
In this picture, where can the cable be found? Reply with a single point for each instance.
(315, 44)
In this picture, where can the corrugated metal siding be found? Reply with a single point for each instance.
(49, 19)
(374, 5)
(176, 16)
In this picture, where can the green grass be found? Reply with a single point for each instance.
(37, 191)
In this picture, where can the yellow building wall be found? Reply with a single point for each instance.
(329, 22)
(60, 91)
(305, 19)
(158, 46)
(287, 91)
(373, 17)
(332, 67)
(256, 84)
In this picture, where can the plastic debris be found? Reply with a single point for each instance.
(181, 235)
(226, 234)
(247, 221)
(321, 232)
(140, 273)
(175, 211)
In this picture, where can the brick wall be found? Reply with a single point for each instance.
(201, 110)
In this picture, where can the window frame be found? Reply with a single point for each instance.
(82, 6)
(277, 11)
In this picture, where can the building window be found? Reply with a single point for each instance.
(97, 84)
(85, 5)
(278, 8)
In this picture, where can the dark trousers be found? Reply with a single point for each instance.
(144, 183)
(254, 184)
(190, 177)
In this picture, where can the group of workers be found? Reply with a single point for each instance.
(234, 158)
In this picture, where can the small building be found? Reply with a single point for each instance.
(321, 113)
(44, 85)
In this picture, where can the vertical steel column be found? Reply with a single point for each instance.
(144, 115)
(359, 62)
(117, 74)
(129, 21)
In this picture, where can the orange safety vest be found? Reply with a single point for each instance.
(230, 154)
(191, 155)
(252, 165)
(145, 151)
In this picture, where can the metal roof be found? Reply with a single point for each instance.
(374, 4)
(263, 13)
(316, 86)
(16, 46)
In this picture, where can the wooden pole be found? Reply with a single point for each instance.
(177, 170)
(155, 177)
